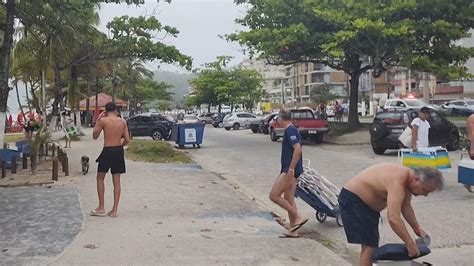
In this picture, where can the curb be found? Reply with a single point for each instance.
(346, 144)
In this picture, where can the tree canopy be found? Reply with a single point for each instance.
(355, 36)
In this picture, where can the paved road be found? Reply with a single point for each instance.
(251, 162)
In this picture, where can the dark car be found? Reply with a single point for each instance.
(218, 119)
(156, 126)
(389, 125)
(261, 125)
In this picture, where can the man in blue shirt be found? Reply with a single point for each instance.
(291, 169)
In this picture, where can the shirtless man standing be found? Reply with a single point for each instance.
(383, 186)
(112, 156)
(470, 128)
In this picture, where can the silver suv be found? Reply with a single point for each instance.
(238, 120)
(403, 104)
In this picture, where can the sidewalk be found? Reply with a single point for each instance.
(171, 215)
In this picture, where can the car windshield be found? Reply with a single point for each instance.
(470, 102)
(169, 118)
(415, 102)
(227, 116)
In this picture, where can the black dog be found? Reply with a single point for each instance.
(85, 164)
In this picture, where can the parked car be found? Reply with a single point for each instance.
(460, 107)
(403, 104)
(206, 118)
(330, 111)
(156, 126)
(190, 119)
(258, 125)
(265, 121)
(360, 108)
(389, 125)
(237, 120)
(309, 126)
(218, 119)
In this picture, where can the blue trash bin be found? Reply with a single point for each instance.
(188, 134)
(23, 146)
(6, 155)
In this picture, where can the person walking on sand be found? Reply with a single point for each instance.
(112, 156)
(382, 186)
(284, 188)
(420, 130)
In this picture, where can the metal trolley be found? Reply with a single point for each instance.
(320, 194)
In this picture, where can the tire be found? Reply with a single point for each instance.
(215, 126)
(377, 130)
(254, 130)
(236, 126)
(265, 131)
(378, 150)
(339, 220)
(220, 125)
(227, 128)
(273, 135)
(453, 144)
(321, 216)
(157, 135)
(318, 139)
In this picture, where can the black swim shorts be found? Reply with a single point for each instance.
(361, 223)
(111, 158)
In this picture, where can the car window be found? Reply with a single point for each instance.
(240, 115)
(415, 102)
(434, 116)
(394, 103)
(133, 119)
(302, 115)
(388, 115)
(470, 102)
(227, 116)
(458, 103)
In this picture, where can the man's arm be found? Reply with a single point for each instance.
(409, 215)
(295, 159)
(470, 128)
(125, 135)
(99, 125)
(414, 137)
(395, 195)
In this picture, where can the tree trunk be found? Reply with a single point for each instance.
(18, 96)
(27, 97)
(89, 85)
(353, 119)
(5, 62)
(219, 108)
(35, 100)
(209, 108)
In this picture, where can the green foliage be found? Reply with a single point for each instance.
(155, 151)
(149, 90)
(215, 85)
(322, 94)
(355, 36)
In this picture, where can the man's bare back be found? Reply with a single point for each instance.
(115, 128)
(372, 184)
(470, 128)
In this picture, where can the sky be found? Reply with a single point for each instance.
(200, 23)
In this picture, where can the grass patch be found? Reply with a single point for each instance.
(342, 128)
(10, 138)
(457, 118)
(155, 152)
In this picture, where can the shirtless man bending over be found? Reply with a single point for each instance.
(383, 186)
(112, 156)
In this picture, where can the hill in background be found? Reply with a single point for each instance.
(180, 82)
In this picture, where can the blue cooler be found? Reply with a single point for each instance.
(466, 172)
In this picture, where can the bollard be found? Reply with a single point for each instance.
(14, 164)
(41, 150)
(66, 166)
(46, 148)
(55, 169)
(53, 150)
(25, 160)
(4, 169)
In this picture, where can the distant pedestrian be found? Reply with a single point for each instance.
(112, 156)
(382, 186)
(338, 111)
(420, 130)
(284, 188)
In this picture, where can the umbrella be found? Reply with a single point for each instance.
(20, 118)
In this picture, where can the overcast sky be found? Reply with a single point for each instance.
(200, 23)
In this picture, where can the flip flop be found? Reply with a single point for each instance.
(111, 215)
(285, 235)
(298, 226)
(98, 214)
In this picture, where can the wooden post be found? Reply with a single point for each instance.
(41, 150)
(59, 151)
(46, 148)
(55, 169)
(25, 160)
(53, 150)
(4, 169)
(14, 164)
(66, 165)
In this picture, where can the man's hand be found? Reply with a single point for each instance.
(413, 250)
(419, 232)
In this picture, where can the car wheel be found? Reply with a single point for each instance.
(265, 131)
(254, 130)
(215, 126)
(453, 144)
(318, 139)
(236, 126)
(273, 135)
(378, 150)
(220, 124)
(377, 130)
(157, 135)
(321, 216)
(227, 128)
